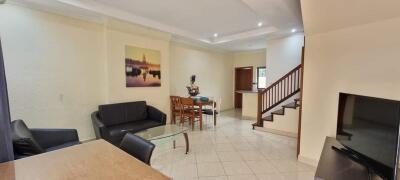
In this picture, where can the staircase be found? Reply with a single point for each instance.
(276, 94)
(281, 112)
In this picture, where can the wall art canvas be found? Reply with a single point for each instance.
(142, 67)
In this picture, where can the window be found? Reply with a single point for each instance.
(261, 77)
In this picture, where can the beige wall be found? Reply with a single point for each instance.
(59, 69)
(213, 72)
(119, 34)
(362, 59)
(283, 55)
(55, 68)
(250, 58)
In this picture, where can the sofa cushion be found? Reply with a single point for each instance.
(133, 127)
(112, 114)
(136, 111)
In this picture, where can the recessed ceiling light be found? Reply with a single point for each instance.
(294, 30)
(215, 34)
(259, 24)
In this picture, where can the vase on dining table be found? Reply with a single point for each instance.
(193, 90)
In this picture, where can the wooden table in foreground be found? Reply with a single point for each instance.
(96, 160)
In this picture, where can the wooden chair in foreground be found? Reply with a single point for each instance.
(176, 108)
(190, 112)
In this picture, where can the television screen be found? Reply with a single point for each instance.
(369, 127)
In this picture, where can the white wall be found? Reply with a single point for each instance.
(59, 69)
(55, 68)
(362, 59)
(213, 72)
(119, 34)
(250, 58)
(283, 55)
(287, 124)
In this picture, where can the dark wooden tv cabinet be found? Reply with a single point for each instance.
(334, 165)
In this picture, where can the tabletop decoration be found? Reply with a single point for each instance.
(193, 90)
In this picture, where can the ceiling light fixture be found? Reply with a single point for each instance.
(215, 34)
(259, 24)
(294, 30)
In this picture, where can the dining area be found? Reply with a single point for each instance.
(194, 110)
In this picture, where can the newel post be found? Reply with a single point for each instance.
(259, 109)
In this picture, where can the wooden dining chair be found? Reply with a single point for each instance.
(214, 110)
(176, 108)
(190, 112)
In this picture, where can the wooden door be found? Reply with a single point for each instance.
(243, 81)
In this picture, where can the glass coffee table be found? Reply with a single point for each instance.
(169, 131)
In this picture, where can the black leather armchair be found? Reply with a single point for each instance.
(137, 147)
(28, 142)
(112, 121)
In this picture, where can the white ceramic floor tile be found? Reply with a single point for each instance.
(251, 155)
(242, 177)
(229, 156)
(231, 150)
(210, 156)
(184, 171)
(210, 169)
(236, 168)
(261, 167)
(299, 176)
(224, 147)
(214, 178)
(273, 176)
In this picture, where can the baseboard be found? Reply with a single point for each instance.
(248, 118)
(279, 132)
(87, 140)
(306, 160)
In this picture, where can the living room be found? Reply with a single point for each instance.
(64, 59)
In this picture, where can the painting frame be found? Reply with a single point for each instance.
(142, 67)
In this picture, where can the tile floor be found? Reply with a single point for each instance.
(231, 151)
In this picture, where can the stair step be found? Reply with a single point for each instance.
(292, 105)
(279, 112)
(268, 118)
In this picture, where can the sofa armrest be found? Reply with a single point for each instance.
(53, 137)
(155, 114)
(99, 127)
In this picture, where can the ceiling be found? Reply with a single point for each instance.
(322, 16)
(235, 21)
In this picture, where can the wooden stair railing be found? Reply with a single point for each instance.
(276, 93)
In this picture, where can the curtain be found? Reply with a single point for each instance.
(6, 148)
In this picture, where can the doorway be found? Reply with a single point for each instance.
(243, 82)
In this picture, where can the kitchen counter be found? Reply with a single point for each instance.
(249, 103)
(247, 91)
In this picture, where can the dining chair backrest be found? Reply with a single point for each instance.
(187, 102)
(175, 102)
(137, 147)
(217, 104)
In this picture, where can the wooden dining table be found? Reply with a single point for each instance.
(95, 160)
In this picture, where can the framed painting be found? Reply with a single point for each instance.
(142, 67)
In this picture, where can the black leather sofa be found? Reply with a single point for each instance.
(28, 142)
(112, 121)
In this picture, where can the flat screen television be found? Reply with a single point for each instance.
(368, 128)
